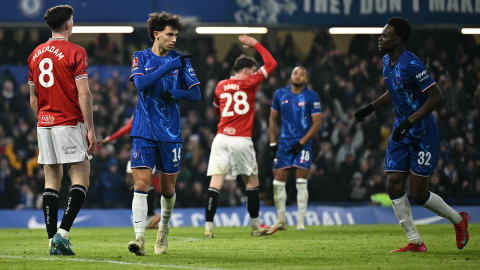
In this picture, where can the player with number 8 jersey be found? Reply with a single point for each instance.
(52, 65)
(232, 149)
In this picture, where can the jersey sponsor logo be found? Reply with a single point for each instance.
(398, 80)
(134, 63)
(191, 71)
(135, 154)
(422, 76)
(229, 131)
(231, 86)
(69, 150)
(284, 102)
(316, 105)
(174, 72)
(47, 119)
(301, 104)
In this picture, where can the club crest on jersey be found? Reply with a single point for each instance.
(229, 131)
(398, 80)
(301, 104)
(174, 72)
(135, 154)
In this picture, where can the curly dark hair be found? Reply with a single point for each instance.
(55, 17)
(158, 22)
(402, 27)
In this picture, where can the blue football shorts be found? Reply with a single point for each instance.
(419, 157)
(166, 156)
(284, 159)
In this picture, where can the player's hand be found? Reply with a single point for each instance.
(92, 142)
(104, 140)
(177, 62)
(183, 57)
(296, 148)
(167, 96)
(363, 112)
(248, 42)
(273, 150)
(402, 130)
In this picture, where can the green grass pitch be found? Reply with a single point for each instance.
(319, 247)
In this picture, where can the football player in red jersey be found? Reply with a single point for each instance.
(62, 101)
(232, 149)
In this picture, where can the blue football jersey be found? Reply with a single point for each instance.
(296, 111)
(155, 119)
(406, 80)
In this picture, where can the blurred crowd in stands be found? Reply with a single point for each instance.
(347, 156)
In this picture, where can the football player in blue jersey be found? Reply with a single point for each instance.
(412, 150)
(162, 77)
(300, 114)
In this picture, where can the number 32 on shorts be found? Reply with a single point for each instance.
(424, 158)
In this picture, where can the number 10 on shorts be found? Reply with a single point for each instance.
(177, 154)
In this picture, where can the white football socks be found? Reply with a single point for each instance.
(403, 211)
(63, 233)
(302, 200)
(437, 205)
(208, 226)
(139, 209)
(255, 223)
(280, 198)
(167, 208)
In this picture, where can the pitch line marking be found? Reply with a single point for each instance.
(109, 261)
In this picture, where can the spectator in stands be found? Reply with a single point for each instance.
(103, 51)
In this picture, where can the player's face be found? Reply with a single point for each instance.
(166, 39)
(299, 76)
(388, 39)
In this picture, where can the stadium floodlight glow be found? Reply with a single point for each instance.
(101, 29)
(231, 30)
(355, 30)
(471, 31)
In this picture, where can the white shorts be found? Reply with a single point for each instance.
(232, 156)
(62, 144)
(129, 168)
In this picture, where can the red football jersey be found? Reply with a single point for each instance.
(236, 98)
(53, 68)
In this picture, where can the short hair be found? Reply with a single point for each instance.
(244, 62)
(55, 17)
(402, 27)
(158, 22)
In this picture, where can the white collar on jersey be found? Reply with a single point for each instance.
(234, 78)
(59, 38)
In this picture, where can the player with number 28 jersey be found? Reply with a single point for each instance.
(232, 149)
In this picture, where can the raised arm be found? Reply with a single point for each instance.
(86, 105)
(270, 63)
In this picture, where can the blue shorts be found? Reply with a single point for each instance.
(418, 157)
(167, 156)
(284, 159)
